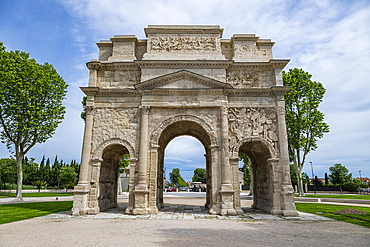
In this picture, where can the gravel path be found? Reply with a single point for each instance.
(113, 229)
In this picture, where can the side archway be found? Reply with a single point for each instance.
(264, 170)
(105, 172)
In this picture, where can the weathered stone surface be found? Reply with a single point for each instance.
(185, 80)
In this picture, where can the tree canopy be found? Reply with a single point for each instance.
(176, 178)
(305, 123)
(199, 175)
(339, 174)
(31, 109)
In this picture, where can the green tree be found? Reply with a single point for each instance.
(8, 172)
(199, 175)
(68, 176)
(176, 178)
(339, 175)
(31, 109)
(83, 113)
(245, 168)
(124, 163)
(30, 171)
(293, 176)
(305, 123)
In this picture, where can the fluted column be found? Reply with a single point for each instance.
(225, 168)
(141, 189)
(143, 149)
(227, 192)
(86, 146)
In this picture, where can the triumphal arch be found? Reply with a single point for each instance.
(185, 80)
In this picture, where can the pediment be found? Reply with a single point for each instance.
(182, 79)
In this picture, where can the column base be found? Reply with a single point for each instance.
(288, 201)
(80, 194)
(227, 202)
(141, 201)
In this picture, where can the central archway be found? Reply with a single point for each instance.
(181, 128)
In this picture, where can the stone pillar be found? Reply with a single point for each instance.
(94, 66)
(274, 186)
(141, 189)
(82, 189)
(236, 183)
(215, 206)
(131, 196)
(287, 189)
(227, 192)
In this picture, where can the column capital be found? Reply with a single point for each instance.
(145, 109)
(89, 109)
(280, 109)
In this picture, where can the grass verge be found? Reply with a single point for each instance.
(327, 210)
(22, 211)
(36, 194)
(356, 197)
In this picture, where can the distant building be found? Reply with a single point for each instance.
(365, 180)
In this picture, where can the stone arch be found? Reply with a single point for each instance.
(154, 139)
(267, 144)
(98, 153)
(176, 126)
(104, 172)
(264, 169)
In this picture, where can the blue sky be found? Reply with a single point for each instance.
(329, 39)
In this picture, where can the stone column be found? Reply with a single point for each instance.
(274, 185)
(227, 192)
(141, 189)
(236, 184)
(287, 189)
(215, 206)
(131, 196)
(81, 190)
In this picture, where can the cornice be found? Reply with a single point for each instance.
(167, 92)
(272, 64)
(183, 64)
(280, 90)
(90, 91)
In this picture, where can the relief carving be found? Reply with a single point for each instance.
(253, 122)
(246, 49)
(111, 123)
(179, 43)
(119, 78)
(241, 78)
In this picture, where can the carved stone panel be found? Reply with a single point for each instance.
(118, 78)
(252, 122)
(115, 123)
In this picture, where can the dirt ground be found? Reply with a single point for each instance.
(208, 232)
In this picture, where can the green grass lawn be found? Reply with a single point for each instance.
(357, 197)
(327, 210)
(23, 211)
(36, 194)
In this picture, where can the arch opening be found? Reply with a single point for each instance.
(109, 175)
(183, 128)
(261, 173)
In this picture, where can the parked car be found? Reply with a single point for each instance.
(171, 189)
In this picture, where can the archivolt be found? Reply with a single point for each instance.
(98, 154)
(270, 147)
(178, 118)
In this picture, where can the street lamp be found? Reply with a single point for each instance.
(314, 184)
(360, 175)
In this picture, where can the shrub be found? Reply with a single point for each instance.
(351, 187)
(50, 187)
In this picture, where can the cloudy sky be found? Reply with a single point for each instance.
(329, 39)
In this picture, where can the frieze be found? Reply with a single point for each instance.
(181, 43)
(119, 78)
(252, 122)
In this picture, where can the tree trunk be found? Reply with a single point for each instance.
(298, 172)
(19, 175)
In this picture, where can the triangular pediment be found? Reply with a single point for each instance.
(182, 79)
